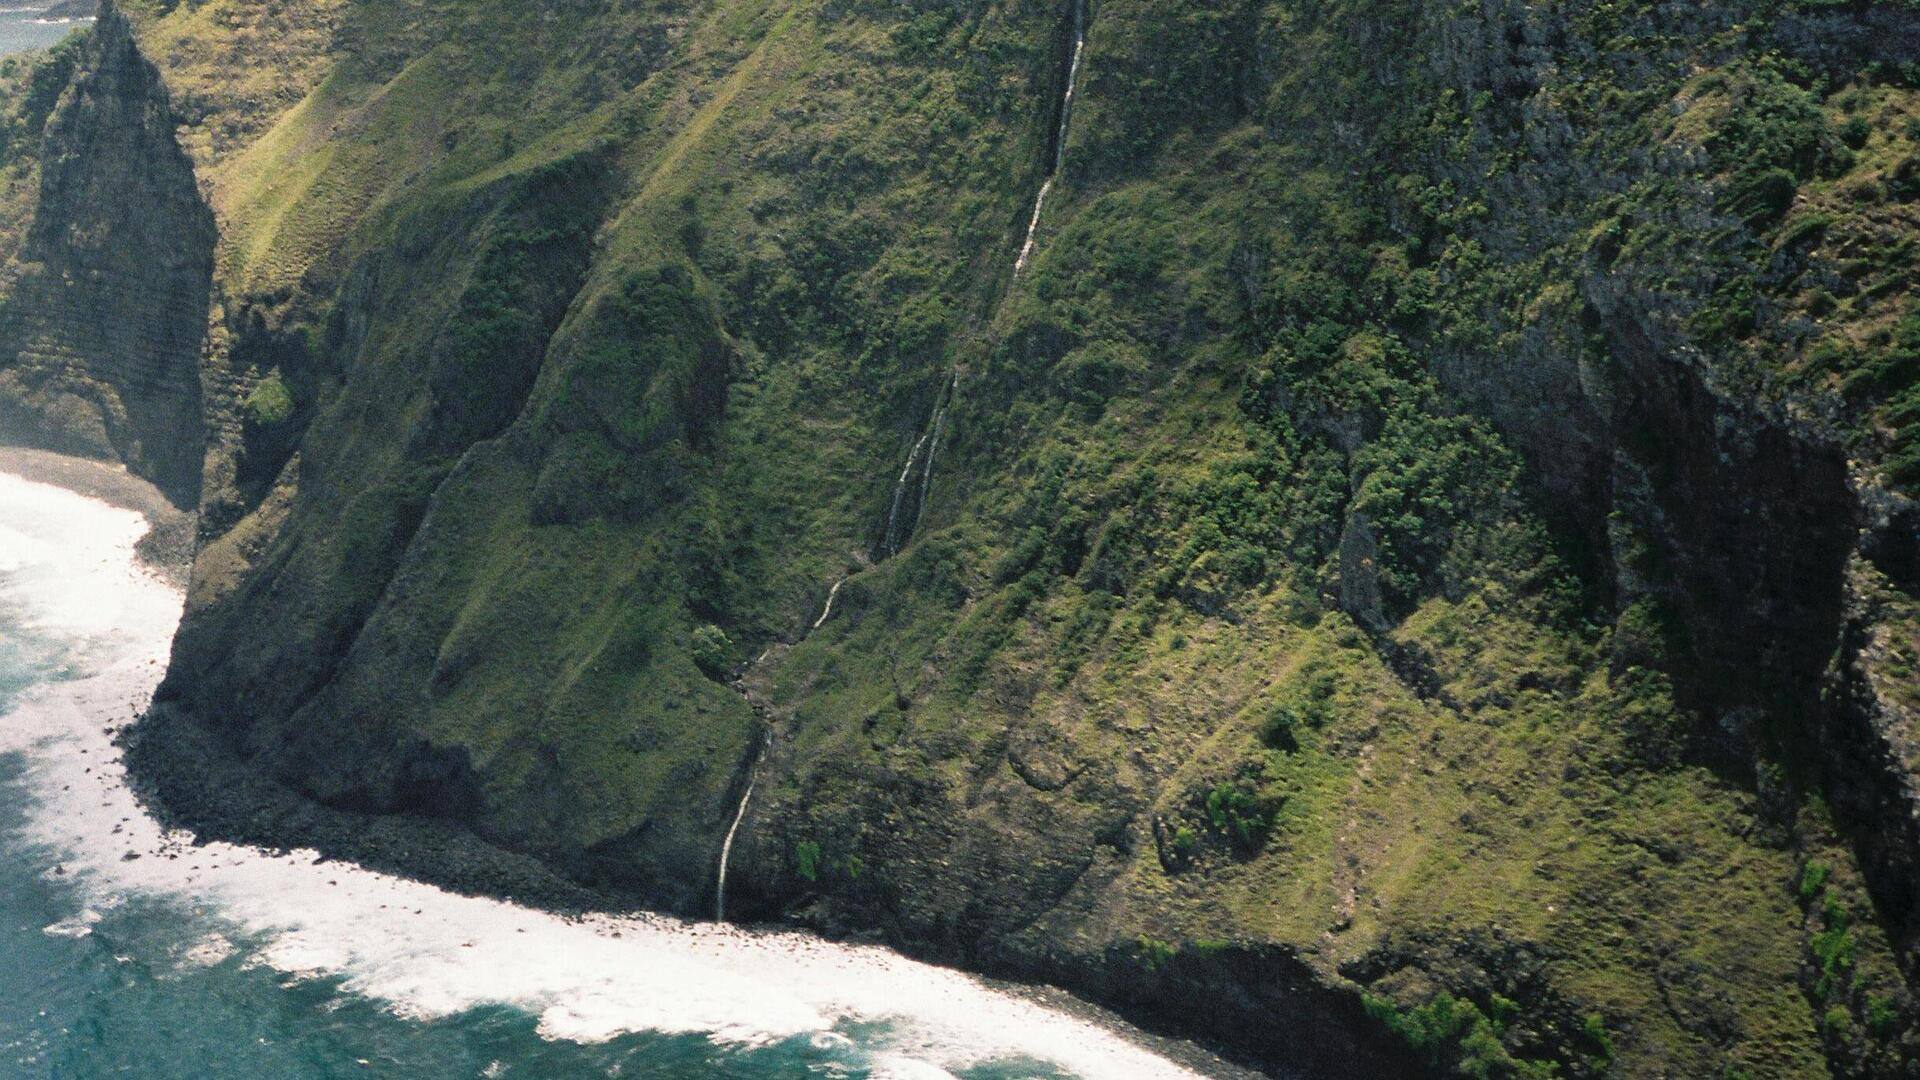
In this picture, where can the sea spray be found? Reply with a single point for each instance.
(425, 953)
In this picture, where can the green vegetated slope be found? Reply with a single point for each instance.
(574, 376)
(1421, 557)
(30, 87)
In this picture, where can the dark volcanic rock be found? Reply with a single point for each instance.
(105, 306)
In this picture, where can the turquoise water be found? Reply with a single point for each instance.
(125, 1000)
(22, 28)
(128, 952)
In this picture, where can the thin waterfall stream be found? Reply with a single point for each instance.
(920, 458)
(1059, 135)
(139, 949)
(739, 815)
(933, 448)
(919, 461)
(890, 544)
(760, 752)
(827, 610)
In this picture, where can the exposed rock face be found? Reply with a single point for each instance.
(1871, 741)
(103, 311)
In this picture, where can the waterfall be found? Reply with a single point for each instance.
(926, 471)
(828, 610)
(929, 440)
(753, 767)
(919, 459)
(739, 815)
(1033, 227)
(1059, 135)
(890, 543)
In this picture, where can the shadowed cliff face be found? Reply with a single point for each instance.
(1730, 517)
(104, 308)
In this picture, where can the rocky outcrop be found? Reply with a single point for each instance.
(1870, 740)
(103, 310)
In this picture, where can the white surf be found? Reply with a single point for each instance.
(68, 564)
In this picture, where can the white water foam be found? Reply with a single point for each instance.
(65, 561)
(423, 952)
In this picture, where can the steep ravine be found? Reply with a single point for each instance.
(1263, 1006)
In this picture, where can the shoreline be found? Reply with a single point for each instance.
(184, 778)
(167, 549)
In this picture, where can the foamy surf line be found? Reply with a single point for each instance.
(423, 952)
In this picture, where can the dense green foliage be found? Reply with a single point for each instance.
(1456, 1034)
(30, 87)
(41, 79)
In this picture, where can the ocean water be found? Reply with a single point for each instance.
(24, 26)
(126, 951)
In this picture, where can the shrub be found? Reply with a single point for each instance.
(1282, 730)
(1806, 230)
(1154, 953)
(1891, 365)
(1310, 709)
(806, 860)
(1091, 376)
(1854, 131)
(1813, 880)
(1776, 125)
(1882, 1017)
(1833, 948)
(1594, 1030)
(1185, 841)
(1763, 198)
(712, 649)
(270, 403)
(1244, 816)
(1428, 484)
(1453, 1034)
(1903, 181)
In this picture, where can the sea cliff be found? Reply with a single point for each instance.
(1417, 570)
